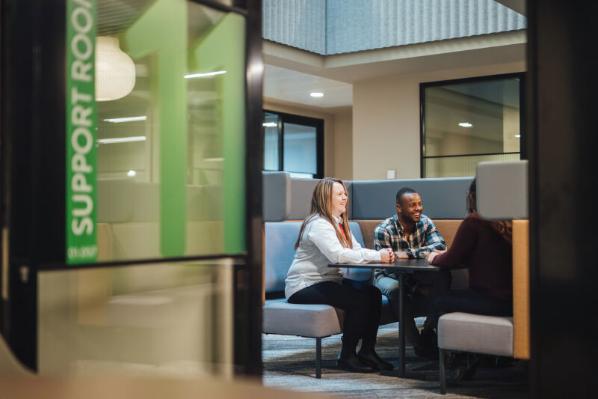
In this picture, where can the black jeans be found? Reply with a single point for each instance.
(361, 306)
(469, 301)
(421, 288)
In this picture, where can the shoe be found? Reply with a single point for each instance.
(372, 359)
(461, 367)
(353, 364)
(426, 352)
(426, 345)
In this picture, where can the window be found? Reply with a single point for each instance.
(293, 144)
(468, 121)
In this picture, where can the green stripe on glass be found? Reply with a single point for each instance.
(81, 122)
(161, 32)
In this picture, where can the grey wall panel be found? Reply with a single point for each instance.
(275, 190)
(502, 190)
(296, 23)
(443, 198)
(300, 193)
(341, 26)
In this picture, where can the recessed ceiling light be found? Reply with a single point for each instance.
(316, 94)
(269, 124)
(465, 124)
(126, 119)
(131, 173)
(517, 136)
(200, 75)
(122, 140)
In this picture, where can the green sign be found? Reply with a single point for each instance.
(81, 122)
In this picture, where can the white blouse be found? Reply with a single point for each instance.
(318, 247)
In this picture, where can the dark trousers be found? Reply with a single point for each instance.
(421, 288)
(469, 301)
(362, 308)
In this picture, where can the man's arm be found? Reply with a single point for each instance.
(433, 240)
(382, 237)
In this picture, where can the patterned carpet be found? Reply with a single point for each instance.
(289, 363)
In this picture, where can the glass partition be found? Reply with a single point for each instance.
(171, 151)
(468, 121)
(171, 318)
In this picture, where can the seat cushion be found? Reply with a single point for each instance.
(468, 332)
(281, 317)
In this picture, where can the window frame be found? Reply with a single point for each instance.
(317, 123)
(478, 79)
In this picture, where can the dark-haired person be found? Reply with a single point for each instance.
(411, 234)
(325, 238)
(485, 248)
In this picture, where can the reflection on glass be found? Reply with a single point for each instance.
(171, 153)
(160, 319)
(461, 165)
(481, 117)
(271, 141)
(300, 149)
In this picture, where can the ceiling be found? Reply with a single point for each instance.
(291, 74)
(289, 86)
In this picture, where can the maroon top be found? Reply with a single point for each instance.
(487, 255)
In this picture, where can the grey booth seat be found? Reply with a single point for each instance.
(281, 317)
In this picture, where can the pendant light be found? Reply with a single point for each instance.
(115, 70)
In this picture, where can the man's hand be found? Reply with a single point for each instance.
(386, 255)
(402, 255)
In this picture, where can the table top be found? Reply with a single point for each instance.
(402, 265)
(121, 387)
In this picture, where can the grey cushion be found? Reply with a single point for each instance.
(279, 246)
(467, 332)
(299, 200)
(502, 189)
(444, 198)
(357, 274)
(281, 317)
(275, 187)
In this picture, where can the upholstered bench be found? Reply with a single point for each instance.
(283, 318)
(461, 331)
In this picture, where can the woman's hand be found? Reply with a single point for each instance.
(433, 255)
(387, 255)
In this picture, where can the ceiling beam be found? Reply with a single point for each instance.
(515, 5)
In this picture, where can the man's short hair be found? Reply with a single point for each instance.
(403, 191)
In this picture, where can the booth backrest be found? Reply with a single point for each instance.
(442, 198)
(129, 220)
(279, 251)
(287, 198)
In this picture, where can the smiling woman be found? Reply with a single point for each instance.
(325, 238)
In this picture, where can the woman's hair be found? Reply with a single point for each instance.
(321, 205)
(504, 228)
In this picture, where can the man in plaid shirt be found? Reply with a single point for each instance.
(411, 234)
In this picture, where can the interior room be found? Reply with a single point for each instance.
(296, 198)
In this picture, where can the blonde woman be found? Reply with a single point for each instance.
(325, 238)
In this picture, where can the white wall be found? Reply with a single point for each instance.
(343, 143)
(386, 120)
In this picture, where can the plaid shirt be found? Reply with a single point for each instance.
(425, 239)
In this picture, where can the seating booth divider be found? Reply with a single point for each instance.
(501, 195)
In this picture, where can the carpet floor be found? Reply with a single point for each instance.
(289, 364)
